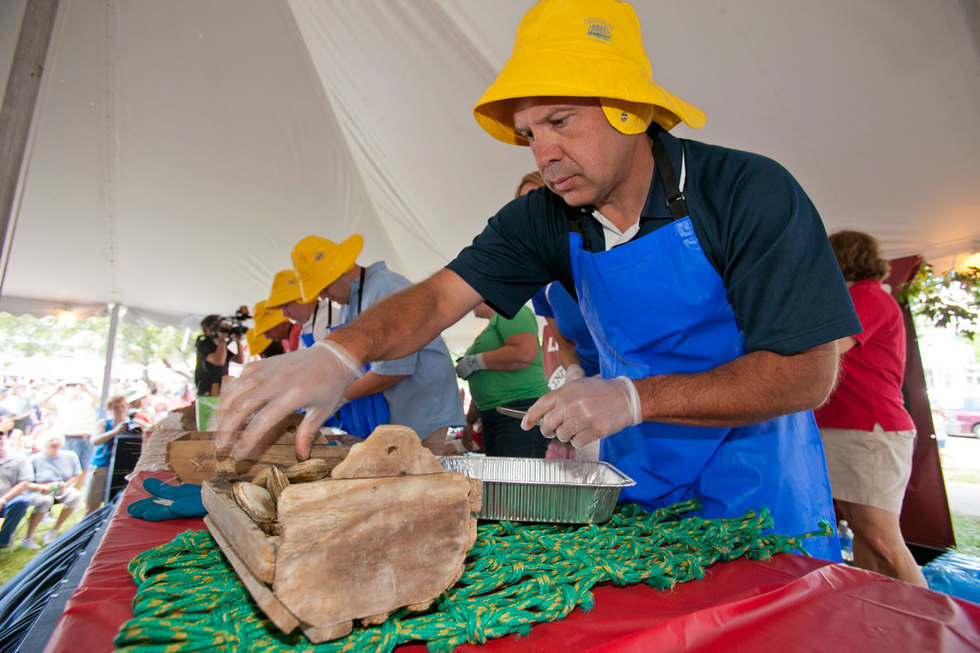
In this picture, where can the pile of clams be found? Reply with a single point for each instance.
(260, 497)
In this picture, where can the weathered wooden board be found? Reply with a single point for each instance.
(281, 455)
(263, 596)
(360, 548)
(191, 457)
(256, 549)
(389, 451)
(390, 529)
(188, 418)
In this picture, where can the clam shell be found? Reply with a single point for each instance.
(276, 483)
(261, 477)
(271, 528)
(255, 501)
(309, 470)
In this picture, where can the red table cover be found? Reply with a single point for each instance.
(789, 603)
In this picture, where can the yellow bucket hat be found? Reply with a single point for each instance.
(257, 343)
(582, 48)
(266, 318)
(319, 262)
(285, 289)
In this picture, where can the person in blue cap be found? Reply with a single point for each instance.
(703, 273)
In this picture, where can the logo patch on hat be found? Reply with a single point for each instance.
(598, 29)
(318, 257)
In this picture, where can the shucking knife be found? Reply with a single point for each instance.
(511, 412)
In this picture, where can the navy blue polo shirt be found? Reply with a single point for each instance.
(757, 227)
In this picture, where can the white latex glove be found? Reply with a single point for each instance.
(468, 365)
(573, 372)
(313, 379)
(586, 410)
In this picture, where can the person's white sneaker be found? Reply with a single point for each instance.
(29, 543)
(49, 537)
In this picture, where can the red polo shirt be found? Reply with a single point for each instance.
(870, 388)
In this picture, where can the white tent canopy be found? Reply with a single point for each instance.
(179, 149)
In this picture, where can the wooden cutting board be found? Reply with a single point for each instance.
(389, 529)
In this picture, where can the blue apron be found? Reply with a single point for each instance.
(568, 319)
(655, 305)
(361, 416)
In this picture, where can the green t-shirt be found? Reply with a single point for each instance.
(492, 388)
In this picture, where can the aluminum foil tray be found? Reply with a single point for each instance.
(539, 490)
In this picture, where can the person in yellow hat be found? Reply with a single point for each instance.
(313, 317)
(258, 345)
(418, 390)
(271, 330)
(703, 273)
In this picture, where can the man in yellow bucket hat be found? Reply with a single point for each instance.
(418, 390)
(271, 330)
(313, 317)
(274, 325)
(703, 273)
(258, 345)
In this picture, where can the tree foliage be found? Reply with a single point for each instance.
(26, 335)
(950, 300)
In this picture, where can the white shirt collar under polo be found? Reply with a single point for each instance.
(613, 236)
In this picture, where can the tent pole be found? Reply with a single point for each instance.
(19, 100)
(110, 350)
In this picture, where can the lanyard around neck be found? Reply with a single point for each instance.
(360, 292)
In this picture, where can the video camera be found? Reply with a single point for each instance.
(233, 325)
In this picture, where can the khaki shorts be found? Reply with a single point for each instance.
(95, 491)
(871, 468)
(70, 497)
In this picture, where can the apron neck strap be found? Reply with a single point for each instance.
(675, 198)
(577, 215)
(316, 309)
(360, 291)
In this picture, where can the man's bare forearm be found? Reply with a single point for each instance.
(750, 389)
(372, 383)
(406, 321)
(14, 491)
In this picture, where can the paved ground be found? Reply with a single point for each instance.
(962, 455)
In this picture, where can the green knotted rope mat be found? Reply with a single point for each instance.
(517, 575)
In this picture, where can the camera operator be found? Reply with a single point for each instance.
(213, 354)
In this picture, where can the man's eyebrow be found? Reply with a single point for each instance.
(548, 116)
(561, 108)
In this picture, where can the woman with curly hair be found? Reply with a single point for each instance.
(867, 433)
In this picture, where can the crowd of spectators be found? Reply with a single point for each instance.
(47, 427)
